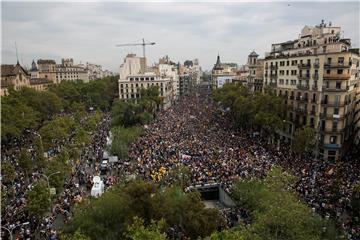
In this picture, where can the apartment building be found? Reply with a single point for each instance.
(67, 71)
(17, 77)
(133, 77)
(47, 69)
(223, 73)
(251, 74)
(168, 69)
(318, 75)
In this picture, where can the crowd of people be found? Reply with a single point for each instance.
(75, 187)
(194, 134)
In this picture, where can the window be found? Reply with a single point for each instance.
(334, 125)
(287, 63)
(327, 71)
(341, 61)
(287, 72)
(339, 71)
(328, 60)
(336, 111)
(338, 85)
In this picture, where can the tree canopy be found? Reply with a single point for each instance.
(112, 215)
(250, 111)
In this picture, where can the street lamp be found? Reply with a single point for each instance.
(48, 183)
(10, 230)
(292, 131)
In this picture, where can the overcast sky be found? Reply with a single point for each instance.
(90, 31)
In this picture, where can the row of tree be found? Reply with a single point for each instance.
(64, 121)
(112, 215)
(28, 109)
(128, 117)
(264, 112)
(139, 210)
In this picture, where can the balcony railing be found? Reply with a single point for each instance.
(316, 65)
(331, 89)
(303, 87)
(273, 84)
(333, 104)
(291, 97)
(304, 65)
(312, 112)
(336, 65)
(300, 110)
(314, 87)
(313, 100)
(273, 67)
(306, 76)
(336, 76)
(315, 76)
(332, 130)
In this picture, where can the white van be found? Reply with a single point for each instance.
(98, 187)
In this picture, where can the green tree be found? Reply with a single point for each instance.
(16, 116)
(126, 114)
(304, 140)
(39, 153)
(276, 212)
(37, 199)
(186, 210)
(8, 173)
(76, 236)
(122, 139)
(57, 129)
(25, 161)
(110, 216)
(137, 231)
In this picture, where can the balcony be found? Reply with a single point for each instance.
(291, 97)
(300, 110)
(315, 76)
(273, 84)
(333, 104)
(332, 130)
(273, 67)
(316, 65)
(302, 87)
(336, 65)
(312, 112)
(306, 76)
(313, 100)
(304, 99)
(314, 87)
(304, 65)
(336, 76)
(331, 89)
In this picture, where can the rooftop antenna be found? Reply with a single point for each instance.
(17, 56)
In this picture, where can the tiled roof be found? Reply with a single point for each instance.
(45, 61)
(7, 70)
(37, 81)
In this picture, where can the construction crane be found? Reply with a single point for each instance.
(143, 44)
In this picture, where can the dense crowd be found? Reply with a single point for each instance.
(74, 189)
(194, 134)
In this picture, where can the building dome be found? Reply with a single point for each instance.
(253, 54)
